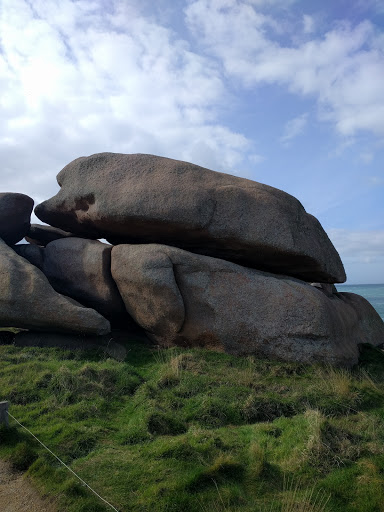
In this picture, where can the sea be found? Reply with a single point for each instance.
(374, 293)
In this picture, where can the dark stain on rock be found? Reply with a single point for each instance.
(84, 203)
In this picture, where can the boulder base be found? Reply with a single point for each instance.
(186, 299)
(113, 344)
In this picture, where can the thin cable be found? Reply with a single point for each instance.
(63, 463)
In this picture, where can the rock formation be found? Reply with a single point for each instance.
(199, 258)
(28, 301)
(146, 199)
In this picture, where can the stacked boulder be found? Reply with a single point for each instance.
(27, 300)
(195, 258)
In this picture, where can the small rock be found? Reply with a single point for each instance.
(32, 253)
(42, 235)
(15, 216)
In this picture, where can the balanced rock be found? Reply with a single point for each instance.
(81, 269)
(15, 216)
(28, 301)
(39, 234)
(186, 299)
(144, 199)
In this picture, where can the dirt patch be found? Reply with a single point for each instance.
(18, 495)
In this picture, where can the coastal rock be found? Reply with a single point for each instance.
(33, 253)
(186, 299)
(28, 301)
(39, 234)
(144, 199)
(81, 269)
(15, 216)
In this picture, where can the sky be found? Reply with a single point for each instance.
(285, 92)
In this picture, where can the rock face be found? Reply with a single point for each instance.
(144, 198)
(28, 301)
(39, 234)
(15, 216)
(186, 299)
(81, 269)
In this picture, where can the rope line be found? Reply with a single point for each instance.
(63, 463)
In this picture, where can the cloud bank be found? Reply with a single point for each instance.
(343, 69)
(77, 79)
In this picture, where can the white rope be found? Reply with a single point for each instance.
(63, 463)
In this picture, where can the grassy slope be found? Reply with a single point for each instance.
(194, 430)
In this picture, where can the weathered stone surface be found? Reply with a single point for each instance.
(186, 299)
(28, 301)
(144, 198)
(81, 269)
(15, 216)
(39, 234)
(33, 253)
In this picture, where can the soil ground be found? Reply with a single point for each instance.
(18, 495)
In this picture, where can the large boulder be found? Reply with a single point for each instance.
(81, 269)
(186, 299)
(39, 234)
(28, 301)
(145, 199)
(15, 216)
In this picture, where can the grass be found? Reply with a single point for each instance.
(193, 430)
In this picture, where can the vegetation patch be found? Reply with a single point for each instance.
(193, 430)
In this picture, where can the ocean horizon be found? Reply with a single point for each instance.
(374, 293)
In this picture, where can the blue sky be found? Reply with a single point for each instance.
(288, 93)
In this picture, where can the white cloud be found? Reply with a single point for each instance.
(366, 157)
(376, 181)
(343, 69)
(255, 158)
(266, 3)
(293, 128)
(308, 24)
(80, 77)
(358, 246)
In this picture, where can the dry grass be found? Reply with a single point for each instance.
(257, 459)
(336, 381)
(297, 500)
